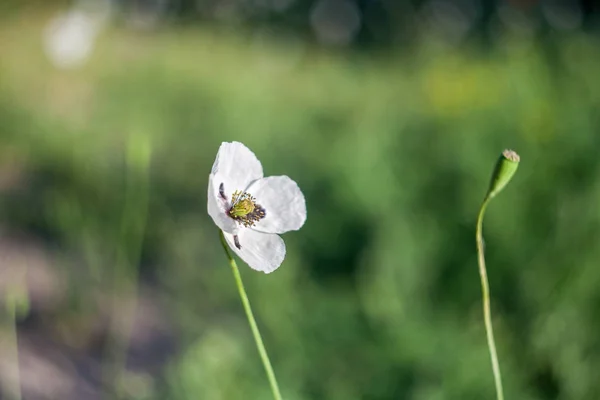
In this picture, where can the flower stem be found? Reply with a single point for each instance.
(257, 337)
(486, 301)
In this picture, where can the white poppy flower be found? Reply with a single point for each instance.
(252, 210)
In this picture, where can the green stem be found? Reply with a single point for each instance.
(258, 339)
(126, 273)
(13, 391)
(486, 301)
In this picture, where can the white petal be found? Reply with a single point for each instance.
(236, 167)
(217, 208)
(284, 204)
(261, 251)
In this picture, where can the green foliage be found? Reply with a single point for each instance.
(379, 295)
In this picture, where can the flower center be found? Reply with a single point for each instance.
(245, 210)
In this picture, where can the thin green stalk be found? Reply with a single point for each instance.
(13, 391)
(257, 337)
(504, 170)
(485, 287)
(126, 273)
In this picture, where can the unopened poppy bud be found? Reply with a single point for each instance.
(503, 172)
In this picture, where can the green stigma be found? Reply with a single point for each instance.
(244, 209)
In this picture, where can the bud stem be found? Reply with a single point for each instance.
(505, 169)
(485, 288)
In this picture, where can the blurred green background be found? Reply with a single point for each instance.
(392, 138)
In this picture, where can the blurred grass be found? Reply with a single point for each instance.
(379, 295)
